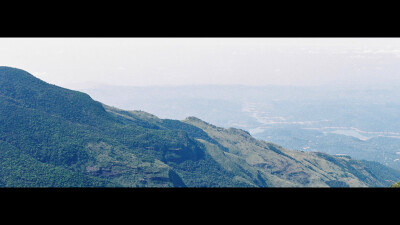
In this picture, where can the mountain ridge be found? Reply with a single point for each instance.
(70, 135)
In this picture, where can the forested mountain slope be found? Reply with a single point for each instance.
(55, 137)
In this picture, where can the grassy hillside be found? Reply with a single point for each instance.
(396, 185)
(275, 166)
(55, 137)
(66, 129)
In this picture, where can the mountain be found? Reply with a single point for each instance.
(362, 122)
(282, 167)
(55, 137)
(396, 185)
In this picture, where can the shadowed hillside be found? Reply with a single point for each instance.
(55, 137)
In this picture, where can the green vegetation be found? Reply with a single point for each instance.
(266, 164)
(20, 170)
(396, 185)
(66, 131)
(54, 137)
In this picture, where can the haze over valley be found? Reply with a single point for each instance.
(199, 112)
(360, 122)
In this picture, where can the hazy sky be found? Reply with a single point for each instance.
(73, 62)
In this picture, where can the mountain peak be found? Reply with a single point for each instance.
(192, 118)
(195, 120)
(30, 92)
(12, 74)
(8, 68)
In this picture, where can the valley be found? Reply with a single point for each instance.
(361, 122)
(56, 137)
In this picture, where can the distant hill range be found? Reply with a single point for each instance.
(55, 137)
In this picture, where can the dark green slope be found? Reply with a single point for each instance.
(30, 92)
(188, 157)
(67, 129)
(55, 137)
(18, 169)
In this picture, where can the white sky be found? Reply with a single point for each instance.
(72, 62)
